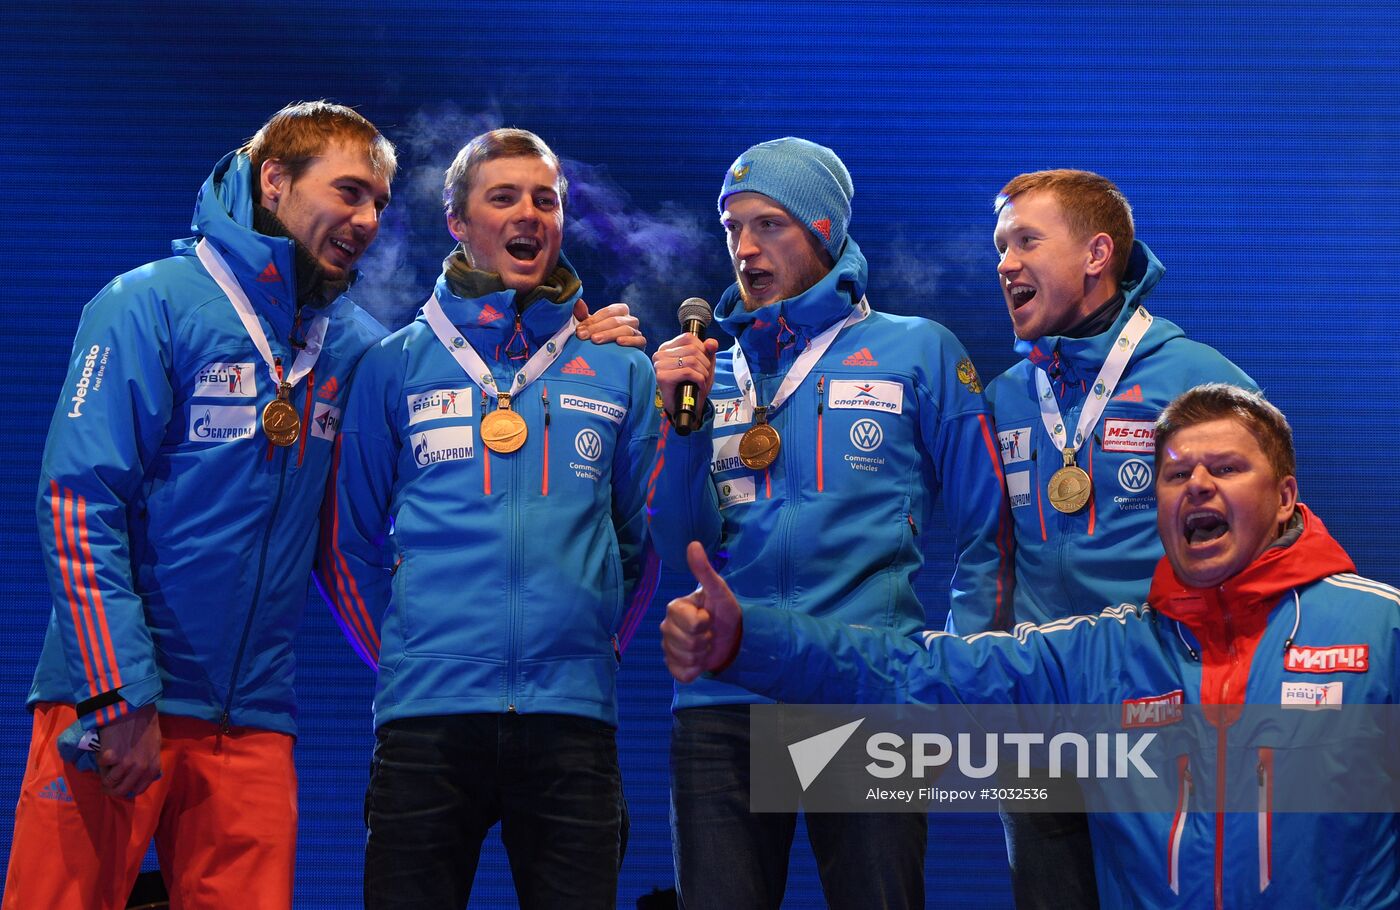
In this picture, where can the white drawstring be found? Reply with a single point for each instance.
(1297, 619)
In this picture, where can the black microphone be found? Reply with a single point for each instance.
(694, 316)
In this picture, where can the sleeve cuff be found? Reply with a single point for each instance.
(91, 713)
(760, 661)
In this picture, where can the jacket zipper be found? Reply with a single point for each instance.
(1265, 773)
(1220, 818)
(821, 383)
(1183, 804)
(1221, 738)
(485, 452)
(1039, 499)
(516, 561)
(1093, 504)
(306, 415)
(544, 471)
(252, 607)
(786, 515)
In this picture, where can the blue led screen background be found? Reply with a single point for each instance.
(1259, 146)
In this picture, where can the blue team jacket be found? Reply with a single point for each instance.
(479, 582)
(1181, 646)
(177, 541)
(1104, 553)
(891, 416)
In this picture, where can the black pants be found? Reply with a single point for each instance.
(438, 784)
(728, 858)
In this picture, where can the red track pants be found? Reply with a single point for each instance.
(223, 815)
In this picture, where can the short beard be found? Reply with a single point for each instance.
(749, 303)
(805, 280)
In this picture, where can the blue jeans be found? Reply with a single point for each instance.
(438, 784)
(1052, 860)
(728, 858)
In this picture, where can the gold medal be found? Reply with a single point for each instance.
(279, 419)
(503, 431)
(758, 447)
(1070, 487)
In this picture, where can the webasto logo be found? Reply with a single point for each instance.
(84, 381)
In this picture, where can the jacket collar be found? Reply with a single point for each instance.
(781, 330)
(1249, 596)
(485, 311)
(1071, 360)
(264, 266)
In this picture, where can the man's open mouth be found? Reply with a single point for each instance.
(758, 280)
(345, 247)
(523, 248)
(1203, 527)
(1021, 295)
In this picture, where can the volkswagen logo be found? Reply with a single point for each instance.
(588, 444)
(1135, 475)
(866, 435)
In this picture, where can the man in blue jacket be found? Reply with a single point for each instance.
(1253, 603)
(1074, 425)
(177, 507)
(829, 432)
(485, 549)
(181, 481)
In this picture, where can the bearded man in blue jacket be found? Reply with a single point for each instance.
(485, 548)
(829, 432)
(1253, 603)
(181, 478)
(1074, 424)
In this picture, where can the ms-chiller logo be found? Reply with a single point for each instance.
(90, 379)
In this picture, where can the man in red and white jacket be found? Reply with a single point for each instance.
(1254, 603)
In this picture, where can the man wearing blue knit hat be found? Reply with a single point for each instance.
(829, 431)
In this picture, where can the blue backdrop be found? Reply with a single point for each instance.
(1259, 147)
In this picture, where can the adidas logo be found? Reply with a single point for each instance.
(579, 367)
(270, 274)
(57, 790)
(1133, 394)
(823, 226)
(488, 314)
(329, 389)
(861, 358)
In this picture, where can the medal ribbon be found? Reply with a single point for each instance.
(800, 367)
(1101, 391)
(218, 269)
(471, 363)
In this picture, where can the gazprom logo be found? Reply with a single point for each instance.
(443, 444)
(221, 423)
(867, 435)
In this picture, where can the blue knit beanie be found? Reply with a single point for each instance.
(805, 178)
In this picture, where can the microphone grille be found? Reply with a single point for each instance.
(694, 309)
